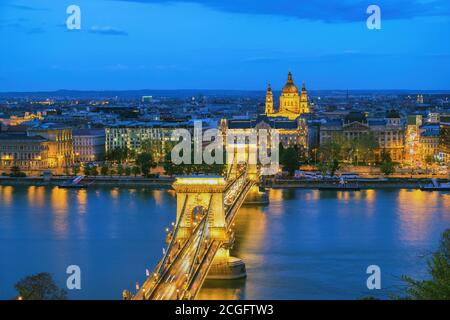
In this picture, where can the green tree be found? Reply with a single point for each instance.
(127, 171)
(365, 147)
(120, 170)
(429, 159)
(136, 170)
(333, 166)
(94, 171)
(104, 170)
(67, 170)
(437, 287)
(145, 163)
(118, 155)
(387, 167)
(17, 172)
(155, 148)
(329, 154)
(290, 159)
(75, 170)
(87, 170)
(40, 286)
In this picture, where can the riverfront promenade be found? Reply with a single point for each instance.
(166, 182)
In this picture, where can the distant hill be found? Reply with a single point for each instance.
(135, 94)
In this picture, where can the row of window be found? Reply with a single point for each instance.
(25, 147)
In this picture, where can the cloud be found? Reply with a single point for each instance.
(21, 25)
(25, 8)
(324, 10)
(107, 31)
(36, 30)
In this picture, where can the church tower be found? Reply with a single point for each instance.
(304, 108)
(269, 101)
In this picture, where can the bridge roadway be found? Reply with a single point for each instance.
(187, 262)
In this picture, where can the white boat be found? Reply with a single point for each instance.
(436, 186)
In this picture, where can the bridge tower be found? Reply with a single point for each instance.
(242, 154)
(199, 193)
(207, 193)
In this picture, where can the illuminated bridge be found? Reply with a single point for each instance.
(201, 238)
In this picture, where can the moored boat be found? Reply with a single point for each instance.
(436, 186)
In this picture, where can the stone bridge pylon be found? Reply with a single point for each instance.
(206, 195)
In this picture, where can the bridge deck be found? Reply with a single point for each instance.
(182, 271)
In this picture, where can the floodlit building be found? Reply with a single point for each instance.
(132, 136)
(89, 145)
(60, 144)
(23, 151)
(429, 141)
(387, 132)
(292, 103)
(412, 137)
(444, 140)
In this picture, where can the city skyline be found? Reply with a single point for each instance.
(204, 45)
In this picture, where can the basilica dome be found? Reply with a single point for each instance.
(290, 87)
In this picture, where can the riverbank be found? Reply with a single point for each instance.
(166, 183)
(395, 183)
(157, 183)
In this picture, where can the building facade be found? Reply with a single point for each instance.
(23, 151)
(444, 140)
(429, 141)
(133, 136)
(89, 145)
(60, 144)
(386, 133)
(412, 139)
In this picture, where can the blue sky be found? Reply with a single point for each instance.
(223, 44)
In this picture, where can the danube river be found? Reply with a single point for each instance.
(306, 244)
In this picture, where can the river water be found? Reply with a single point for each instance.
(306, 244)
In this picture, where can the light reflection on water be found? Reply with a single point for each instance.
(306, 244)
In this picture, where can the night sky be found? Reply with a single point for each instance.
(223, 44)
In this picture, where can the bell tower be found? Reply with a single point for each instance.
(304, 108)
(269, 101)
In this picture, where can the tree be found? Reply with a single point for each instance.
(118, 154)
(75, 170)
(104, 170)
(153, 147)
(16, 172)
(438, 286)
(365, 146)
(329, 154)
(333, 166)
(145, 163)
(429, 159)
(136, 170)
(40, 286)
(87, 170)
(94, 171)
(387, 166)
(120, 170)
(127, 171)
(67, 170)
(290, 159)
